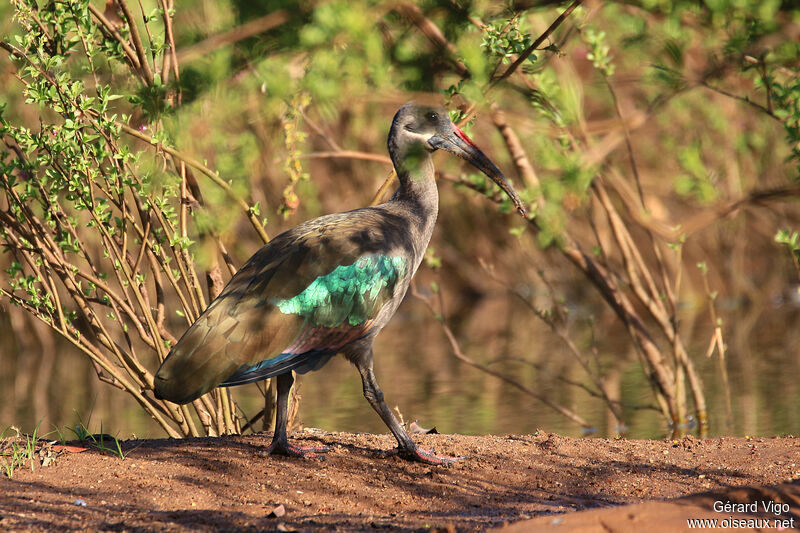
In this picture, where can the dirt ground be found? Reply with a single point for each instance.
(534, 482)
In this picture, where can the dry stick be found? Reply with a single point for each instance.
(745, 99)
(573, 383)
(702, 219)
(184, 233)
(205, 170)
(717, 341)
(460, 355)
(628, 141)
(318, 130)
(767, 89)
(518, 155)
(230, 427)
(149, 38)
(725, 209)
(53, 257)
(205, 416)
(635, 269)
(142, 248)
(433, 33)
(109, 344)
(662, 378)
(562, 334)
(681, 356)
(248, 29)
(155, 268)
(225, 256)
(96, 356)
(383, 189)
(347, 154)
(111, 28)
(47, 75)
(62, 321)
(170, 60)
(525, 169)
(137, 41)
(218, 409)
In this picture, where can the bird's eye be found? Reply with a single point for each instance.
(433, 117)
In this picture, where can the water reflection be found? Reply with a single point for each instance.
(45, 380)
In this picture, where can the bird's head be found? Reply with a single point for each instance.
(430, 128)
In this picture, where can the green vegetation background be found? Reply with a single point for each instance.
(692, 105)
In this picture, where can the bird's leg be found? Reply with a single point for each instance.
(280, 439)
(406, 448)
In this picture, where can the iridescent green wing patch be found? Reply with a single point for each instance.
(349, 294)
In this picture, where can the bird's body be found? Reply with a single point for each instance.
(327, 286)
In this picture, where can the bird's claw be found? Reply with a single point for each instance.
(423, 456)
(290, 450)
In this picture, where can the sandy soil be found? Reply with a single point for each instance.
(531, 481)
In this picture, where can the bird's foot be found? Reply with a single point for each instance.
(290, 450)
(423, 456)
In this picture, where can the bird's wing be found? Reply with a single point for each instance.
(296, 302)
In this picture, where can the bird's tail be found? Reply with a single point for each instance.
(193, 367)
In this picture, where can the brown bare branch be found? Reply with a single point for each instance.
(248, 29)
(461, 356)
(434, 35)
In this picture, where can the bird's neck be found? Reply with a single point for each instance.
(414, 167)
(418, 183)
(418, 194)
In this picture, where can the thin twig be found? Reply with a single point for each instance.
(205, 170)
(114, 32)
(536, 44)
(248, 29)
(434, 35)
(137, 41)
(461, 356)
(746, 99)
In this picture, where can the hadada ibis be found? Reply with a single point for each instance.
(325, 287)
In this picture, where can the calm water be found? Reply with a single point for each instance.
(420, 376)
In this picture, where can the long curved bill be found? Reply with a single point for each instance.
(456, 142)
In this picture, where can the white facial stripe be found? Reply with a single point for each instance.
(421, 137)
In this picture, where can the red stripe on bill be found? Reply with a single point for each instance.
(463, 136)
